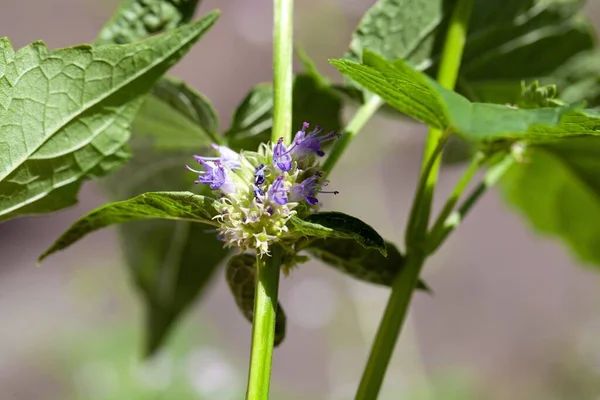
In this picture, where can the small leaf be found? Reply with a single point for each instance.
(137, 19)
(333, 224)
(51, 140)
(367, 265)
(176, 117)
(241, 277)
(253, 119)
(184, 206)
(420, 97)
(557, 190)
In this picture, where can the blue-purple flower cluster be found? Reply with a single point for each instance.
(260, 191)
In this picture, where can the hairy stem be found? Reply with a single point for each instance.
(263, 326)
(363, 114)
(404, 284)
(282, 69)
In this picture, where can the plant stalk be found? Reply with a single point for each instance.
(363, 114)
(267, 279)
(492, 176)
(283, 45)
(439, 225)
(263, 326)
(404, 284)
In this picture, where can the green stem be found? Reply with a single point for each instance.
(389, 328)
(419, 214)
(282, 69)
(263, 326)
(458, 190)
(363, 114)
(404, 284)
(453, 220)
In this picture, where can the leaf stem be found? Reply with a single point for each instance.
(283, 27)
(404, 284)
(363, 114)
(263, 326)
(492, 176)
(438, 226)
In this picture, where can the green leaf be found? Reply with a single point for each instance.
(183, 206)
(171, 263)
(241, 277)
(558, 191)
(508, 41)
(176, 117)
(367, 265)
(338, 225)
(65, 114)
(313, 101)
(252, 120)
(398, 29)
(137, 19)
(418, 96)
(513, 41)
(157, 249)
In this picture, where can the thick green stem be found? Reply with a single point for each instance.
(283, 47)
(438, 226)
(363, 114)
(263, 326)
(389, 329)
(454, 219)
(405, 282)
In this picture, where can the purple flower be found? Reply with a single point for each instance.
(228, 157)
(277, 191)
(308, 189)
(259, 175)
(305, 143)
(281, 156)
(214, 175)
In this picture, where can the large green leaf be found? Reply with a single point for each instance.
(365, 264)
(137, 19)
(399, 29)
(176, 117)
(313, 102)
(156, 249)
(418, 96)
(180, 206)
(241, 277)
(65, 114)
(557, 189)
(332, 224)
(510, 41)
(172, 264)
(170, 261)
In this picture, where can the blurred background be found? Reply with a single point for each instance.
(513, 315)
